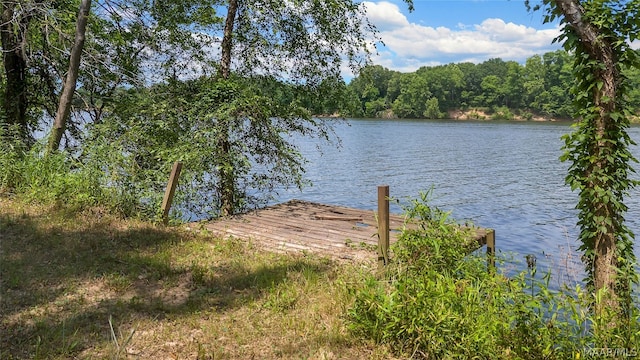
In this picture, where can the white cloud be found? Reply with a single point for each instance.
(386, 16)
(411, 45)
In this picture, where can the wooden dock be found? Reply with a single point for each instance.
(327, 230)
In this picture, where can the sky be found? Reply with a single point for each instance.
(450, 31)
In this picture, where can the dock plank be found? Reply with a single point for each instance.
(302, 226)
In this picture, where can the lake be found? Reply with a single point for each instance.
(500, 175)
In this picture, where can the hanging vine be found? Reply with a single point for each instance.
(599, 32)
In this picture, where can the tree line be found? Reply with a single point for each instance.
(504, 88)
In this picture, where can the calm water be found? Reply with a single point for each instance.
(505, 176)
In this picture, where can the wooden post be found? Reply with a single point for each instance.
(491, 249)
(170, 191)
(383, 226)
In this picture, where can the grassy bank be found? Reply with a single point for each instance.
(91, 285)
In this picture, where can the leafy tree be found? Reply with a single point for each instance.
(533, 81)
(491, 75)
(633, 74)
(16, 27)
(558, 78)
(394, 88)
(432, 109)
(151, 128)
(445, 83)
(133, 44)
(374, 83)
(494, 66)
(235, 138)
(126, 43)
(414, 93)
(328, 98)
(512, 85)
(302, 41)
(472, 81)
(598, 150)
(491, 90)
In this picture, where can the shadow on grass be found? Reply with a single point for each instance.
(54, 301)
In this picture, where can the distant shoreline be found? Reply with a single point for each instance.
(479, 114)
(473, 114)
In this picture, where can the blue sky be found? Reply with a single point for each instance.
(441, 32)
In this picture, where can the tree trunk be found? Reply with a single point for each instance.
(604, 98)
(227, 39)
(69, 87)
(227, 173)
(15, 67)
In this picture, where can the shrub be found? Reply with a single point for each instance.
(474, 114)
(502, 113)
(527, 115)
(432, 109)
(438, 302)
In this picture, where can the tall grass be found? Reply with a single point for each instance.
(50, 179)
(73, 181)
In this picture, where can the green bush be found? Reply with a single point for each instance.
(432, 109)
(527, 115)
(474, 114)
(437, 301)
(502, 113)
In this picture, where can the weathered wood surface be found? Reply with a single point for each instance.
(171, 190)
(383, 226)
(301, 226)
